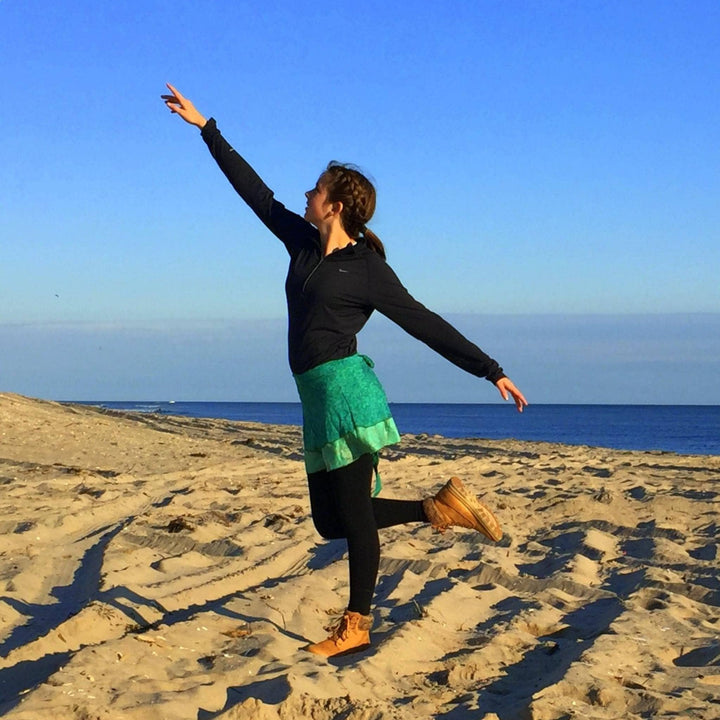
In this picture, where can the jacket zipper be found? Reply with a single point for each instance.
(312, 272)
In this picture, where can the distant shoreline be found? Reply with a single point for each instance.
(682, 429)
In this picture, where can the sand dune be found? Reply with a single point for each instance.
(161, 567)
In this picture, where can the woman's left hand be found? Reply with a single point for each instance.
(506, 388)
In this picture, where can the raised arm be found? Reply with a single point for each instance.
(389, 297)
(289, 227)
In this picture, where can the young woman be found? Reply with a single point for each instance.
(337, 277)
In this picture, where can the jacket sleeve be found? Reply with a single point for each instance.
(293, 230)
(389, 297)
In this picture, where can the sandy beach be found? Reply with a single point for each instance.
(157, 567)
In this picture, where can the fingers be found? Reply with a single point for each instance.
(175, 92)
(175, 101)
(170, 103)
(506, 387)
(520, 402)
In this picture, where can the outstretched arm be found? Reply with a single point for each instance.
(292, 229)
(183, 107)
(388, 295)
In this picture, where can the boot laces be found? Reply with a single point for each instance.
(342, 631)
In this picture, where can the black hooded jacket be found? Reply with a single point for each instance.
(330, 298)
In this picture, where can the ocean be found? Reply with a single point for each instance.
(685, 429)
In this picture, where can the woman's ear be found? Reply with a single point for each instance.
(336, 208)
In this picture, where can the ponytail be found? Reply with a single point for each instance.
(374, 242)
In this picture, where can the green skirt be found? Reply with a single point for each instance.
(345, 414)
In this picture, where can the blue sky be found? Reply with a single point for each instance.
(536, 163)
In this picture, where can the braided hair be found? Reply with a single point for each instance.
(346, 184)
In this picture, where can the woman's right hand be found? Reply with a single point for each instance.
(507, 388)
(183, 107)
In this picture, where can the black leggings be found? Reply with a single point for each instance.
(342, 508)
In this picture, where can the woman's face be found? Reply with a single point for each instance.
(317, 206)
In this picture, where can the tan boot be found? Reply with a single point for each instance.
(454, 505)
(351, 635)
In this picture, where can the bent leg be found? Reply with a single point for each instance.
(342, 508)
(390, 512)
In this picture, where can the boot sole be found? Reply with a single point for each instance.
(488, 523)
(349, 651)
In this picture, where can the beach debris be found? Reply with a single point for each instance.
(265, 598)
(238, 632)
(93, 492)
(178, 524)
(224, 518)
(279, 519)
(151, 640)
(102, 610)
(23, 527)
(603, 496)
(275, 519)
(420, 610)
(207, 661)
(550, 647)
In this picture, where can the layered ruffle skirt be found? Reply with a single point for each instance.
(345, 414)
